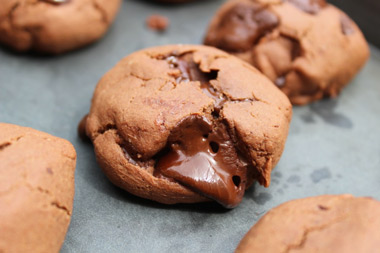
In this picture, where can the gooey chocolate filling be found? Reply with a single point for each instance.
(243, 25)
(202, 156)
(200, 153)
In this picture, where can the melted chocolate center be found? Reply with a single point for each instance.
(202, 156)
(56, 1)
(243, 25)
(309, 6)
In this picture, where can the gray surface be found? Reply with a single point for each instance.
(365, 13)
(333, 146)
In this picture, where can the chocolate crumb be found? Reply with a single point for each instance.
(157, 22)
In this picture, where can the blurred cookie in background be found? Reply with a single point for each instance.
(54, 26)
(308, 48)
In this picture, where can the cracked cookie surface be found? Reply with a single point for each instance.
(327, 223)
(185, 124)
(36, 189)
(54, 27)
(308, 48)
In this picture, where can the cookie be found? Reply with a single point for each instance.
(329, 223)
(185, 124)
(54, 26)
(36, 189)
(308, 48)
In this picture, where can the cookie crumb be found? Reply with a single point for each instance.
(157, 22)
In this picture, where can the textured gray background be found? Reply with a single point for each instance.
(333, 146)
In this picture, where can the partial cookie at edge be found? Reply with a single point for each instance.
(328, 223)
(36, 189)
(48, 28)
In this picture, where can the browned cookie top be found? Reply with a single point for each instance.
(36, 189)
(329, 224)
(309, 48)
(54, 26)
(174, 121)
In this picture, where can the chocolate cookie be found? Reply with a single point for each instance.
(54, 26)
(330, 223)
(184, 124)
(308, 48)
(36, 189)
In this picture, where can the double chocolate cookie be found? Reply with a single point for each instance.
(328, 224)
(185, 124)
(36, 189)
(54, 26)
(308, 48)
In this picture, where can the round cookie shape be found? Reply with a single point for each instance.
(54, 26)
(36, 189)
(185, 124)
(328, 223)
(308, 48)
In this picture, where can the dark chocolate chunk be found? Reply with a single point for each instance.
(243, 25)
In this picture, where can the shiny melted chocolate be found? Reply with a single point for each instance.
(56, 1)
(243, 25)
(202, 156)
(309, 6)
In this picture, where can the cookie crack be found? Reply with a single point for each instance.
(61, 207)
(307, 232)
(39, 189)
(103, 13)
(9, 16)
(28, 30)
(53, 203)
(4, 145)
(12, 141)
(106, 128)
